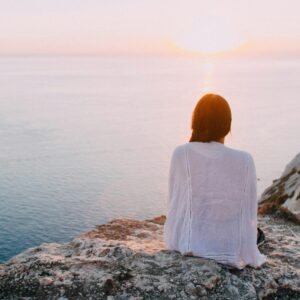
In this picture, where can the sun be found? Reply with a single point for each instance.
(209, 35)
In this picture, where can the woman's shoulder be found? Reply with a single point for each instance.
(179, 150)
(237, 155)
(242, 155)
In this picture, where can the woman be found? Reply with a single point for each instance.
(212, 207)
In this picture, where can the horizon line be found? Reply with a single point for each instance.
(263, 54)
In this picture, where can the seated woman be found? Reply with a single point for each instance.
(212, 205)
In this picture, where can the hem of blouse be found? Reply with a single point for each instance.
(220, 256)
(233, 261)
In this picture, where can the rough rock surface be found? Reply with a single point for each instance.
(125, 259)
(282, 198)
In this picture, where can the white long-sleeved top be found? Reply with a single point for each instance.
(212, 204)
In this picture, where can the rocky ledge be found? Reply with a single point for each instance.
(126, 259)
(282, 198)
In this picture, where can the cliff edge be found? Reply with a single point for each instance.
(126, 259)
(282, 198)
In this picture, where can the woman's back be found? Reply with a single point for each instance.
(213, 204)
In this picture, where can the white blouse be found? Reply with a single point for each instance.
(212, 204)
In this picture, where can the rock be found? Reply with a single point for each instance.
(45, 281)
(126, 259)
(282, 198)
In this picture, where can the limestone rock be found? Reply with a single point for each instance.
(282, 198)
(126, 259)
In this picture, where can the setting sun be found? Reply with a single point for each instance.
(209, 35)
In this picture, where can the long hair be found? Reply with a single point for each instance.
(211, 119)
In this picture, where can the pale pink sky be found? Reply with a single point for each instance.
(139, 26)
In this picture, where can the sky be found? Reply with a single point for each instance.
(145, 26)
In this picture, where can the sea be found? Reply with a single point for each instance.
(85, 139)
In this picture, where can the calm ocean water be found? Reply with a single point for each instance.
(88, 139)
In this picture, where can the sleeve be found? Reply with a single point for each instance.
(250, 252)
(175, 227)
(177, 172)
(251, 192)
(168, 234)
(174, 174)
(171, 179)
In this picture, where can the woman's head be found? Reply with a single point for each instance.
(211, 119)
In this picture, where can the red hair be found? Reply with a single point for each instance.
(211, 119)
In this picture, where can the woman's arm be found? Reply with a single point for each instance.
(250, 252)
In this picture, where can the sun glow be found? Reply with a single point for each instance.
(209, 35)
